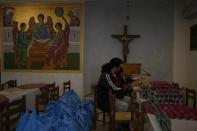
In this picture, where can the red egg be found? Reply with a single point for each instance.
(179, 116)
(194, 117)
(172, 115)
(186, 116)
(181, 111)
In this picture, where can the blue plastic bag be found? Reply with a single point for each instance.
(66, 114)
(66, 124)
(54, 112)
(27, 121)
(30, 121)
(88, 106)
(46, 119)
(43, 124)
(70, 99)
(83, 118)
(22, 122)
(61, 122)
(57, 108)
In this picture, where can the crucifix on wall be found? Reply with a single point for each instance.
(125, 39)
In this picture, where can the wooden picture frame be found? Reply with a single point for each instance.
(42, 37)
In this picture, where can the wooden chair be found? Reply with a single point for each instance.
(12, 83)
(41, 101)
(3, 103)
(123, 117)
(97, 110)
(44, 97)
(191, 94)
(9, 84)
(12, 113)
(67, 86)
(2, 87)
(53, 93)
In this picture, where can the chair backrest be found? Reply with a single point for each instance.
(54, 93)
(41, 101)
(191, 94)
(2, 87)
(129, 69)
(13, 110)
(9, 84)
(67, 86)
(94, 88)
(175, 85)
(12, 83)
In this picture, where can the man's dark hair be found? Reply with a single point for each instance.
(114, 62)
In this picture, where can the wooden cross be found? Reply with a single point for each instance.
(125, 39)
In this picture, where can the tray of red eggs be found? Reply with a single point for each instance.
(156, 83)
(166, 91)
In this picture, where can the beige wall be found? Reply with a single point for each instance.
(184, 60)
(192, 62)
(181, 48)
(153, 20)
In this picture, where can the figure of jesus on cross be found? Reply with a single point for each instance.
(125, 39)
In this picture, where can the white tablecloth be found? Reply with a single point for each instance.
(176, 124)
(16, 93)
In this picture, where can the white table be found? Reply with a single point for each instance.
(176, 124)
(16, 93)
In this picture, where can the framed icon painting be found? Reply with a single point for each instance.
(42, 37)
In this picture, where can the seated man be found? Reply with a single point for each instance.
(109, 80)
